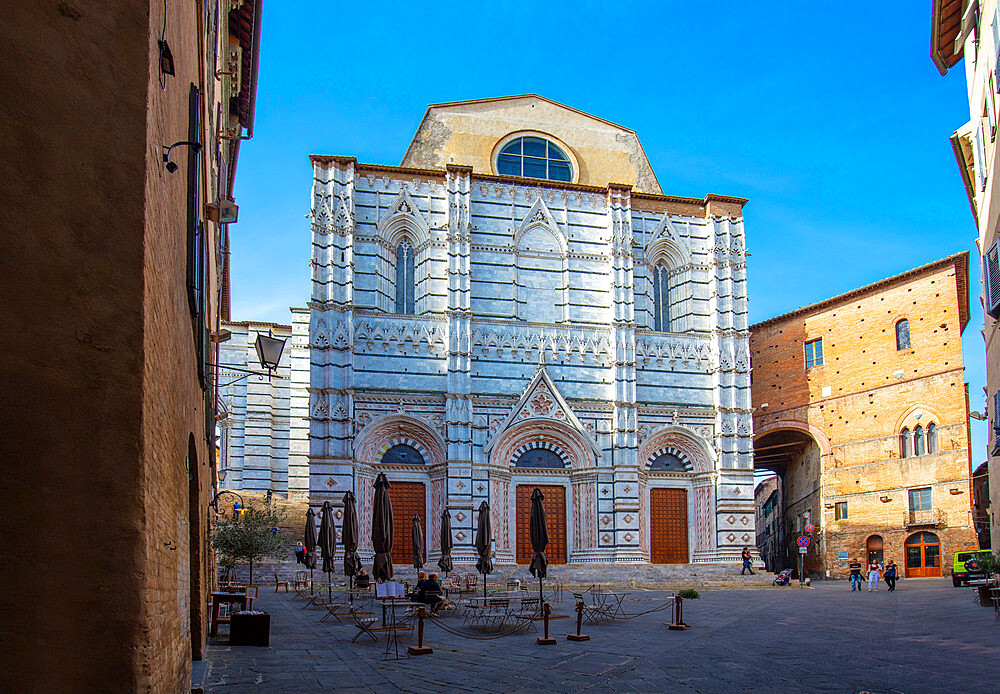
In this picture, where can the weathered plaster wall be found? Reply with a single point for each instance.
(467, 133)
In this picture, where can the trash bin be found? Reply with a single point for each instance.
(250, 629)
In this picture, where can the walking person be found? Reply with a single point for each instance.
(300, 553)
(747, 559)
(889, 576)
(855, 567)
(874, 573)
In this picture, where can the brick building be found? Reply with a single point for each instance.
(114, 283)
(860, 406)
(970, 29)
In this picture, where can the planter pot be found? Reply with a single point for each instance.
(985, 599)
(250, 629)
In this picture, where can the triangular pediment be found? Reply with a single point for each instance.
(667, 245)
(539, 215)
(542, 400)
(403, 212)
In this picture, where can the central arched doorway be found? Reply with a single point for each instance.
(668, 525)
(923, 555)
(554, 504)
(873, 548)
(540, 456)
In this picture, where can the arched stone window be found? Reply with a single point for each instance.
(904, 443)
(405, 284)
(918, 441)
(932, 446)
(661, 298)
(903, 334)
(539, 457)
(401, 454)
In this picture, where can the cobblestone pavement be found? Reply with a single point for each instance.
(925, 637)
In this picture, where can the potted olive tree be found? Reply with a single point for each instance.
(249, 537)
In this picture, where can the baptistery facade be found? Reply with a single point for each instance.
(519, 306)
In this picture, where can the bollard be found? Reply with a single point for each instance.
(546, 640)
(678, 623)
(420, 648)
(579, 625)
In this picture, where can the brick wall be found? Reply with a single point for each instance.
(854, 405)
(107, 480)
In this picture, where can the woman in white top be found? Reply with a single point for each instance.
(873, 576)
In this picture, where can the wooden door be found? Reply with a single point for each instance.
(555, 520)
(668, 526)
(408, 498)
(923, 555)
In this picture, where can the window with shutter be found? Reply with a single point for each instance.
(991, 119)
(980, 157)
(991, 280)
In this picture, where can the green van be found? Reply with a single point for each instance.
(960, 575)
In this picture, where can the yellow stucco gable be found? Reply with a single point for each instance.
(471, 132)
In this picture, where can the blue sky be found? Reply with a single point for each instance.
(830, 117)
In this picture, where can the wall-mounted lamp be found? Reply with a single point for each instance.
(171, 166)
(222, 212)
(269, 350)
(827, 505)
(978, 415)
(954, 490)
(166, 58)
(885, 499)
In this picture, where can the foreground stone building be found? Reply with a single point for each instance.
(861, 407)
(970, 29)
(113, 287)
(519, 305)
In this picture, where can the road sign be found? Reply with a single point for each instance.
(802, 549)
(803, 541)
(810, 527)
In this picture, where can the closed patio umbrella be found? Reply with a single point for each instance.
(484, 534)
(309, 545)
(327, 543)
(382, 530)
(417, 535)
(349, 537)
(539, 539)
(445, 563)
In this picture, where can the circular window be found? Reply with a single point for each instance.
(534, 157)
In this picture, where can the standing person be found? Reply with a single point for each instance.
(300, 553)
(746, 562)
(890, 575)
(873, 576)
(855, 567)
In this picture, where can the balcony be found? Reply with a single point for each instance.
(931, 518)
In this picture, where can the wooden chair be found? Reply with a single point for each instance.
(470, 582)
(301, 580)
(278, 582)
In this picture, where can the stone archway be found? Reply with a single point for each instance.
(795, 452)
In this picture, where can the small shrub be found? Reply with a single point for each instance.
(689, 594)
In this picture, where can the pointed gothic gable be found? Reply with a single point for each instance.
(403, 214)
(539, 215)
(667, 245)
(542, 400)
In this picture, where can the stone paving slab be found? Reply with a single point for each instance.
(926, 637)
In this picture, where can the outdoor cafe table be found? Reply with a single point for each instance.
(404, 601)
(228, 598)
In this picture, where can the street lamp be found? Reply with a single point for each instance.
(269, 350)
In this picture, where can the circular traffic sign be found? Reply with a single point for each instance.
(803, 541)
(809, 527)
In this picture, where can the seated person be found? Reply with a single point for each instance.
(362, 580)
(430, 590)
(417, 595)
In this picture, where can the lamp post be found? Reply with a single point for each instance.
(269, 350)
